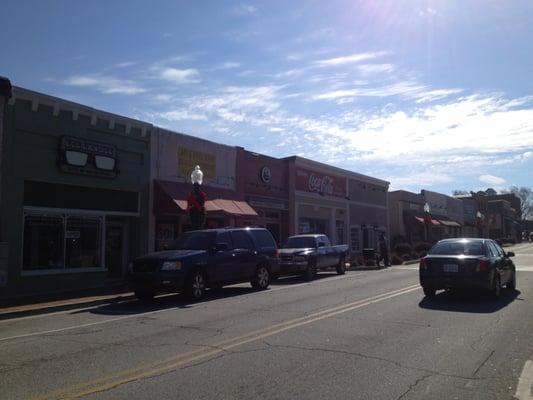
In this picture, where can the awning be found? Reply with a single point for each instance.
(422, 220)
(448, 222)
(170, 198)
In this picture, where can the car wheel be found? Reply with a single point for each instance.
(144, 295)
(511, 285)
(496, 287)
(341, 266)
(310, 272)
(195, 285)
(429, 291)
(261, 278)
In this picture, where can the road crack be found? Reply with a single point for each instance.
(413, 385)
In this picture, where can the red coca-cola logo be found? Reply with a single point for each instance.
(321, 184)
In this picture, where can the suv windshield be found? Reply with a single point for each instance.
(300, 242)
(467, 248)
(195, 241)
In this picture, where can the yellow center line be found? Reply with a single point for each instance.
(175, 362)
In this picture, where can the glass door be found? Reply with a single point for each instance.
(114, 244)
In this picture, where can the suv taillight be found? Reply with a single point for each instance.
(423, 265)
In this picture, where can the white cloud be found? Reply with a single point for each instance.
(180, 76)
(419, 180)
(492, 180)
(105, 84)
(244, 10)
(226, 65)
(371, 69)
(407, 89)
(351, 59)
(180, 115)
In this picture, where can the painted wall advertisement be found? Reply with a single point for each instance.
(188, 159)
(316, 182)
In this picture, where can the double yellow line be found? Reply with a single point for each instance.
(173, 363)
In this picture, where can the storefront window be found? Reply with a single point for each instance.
(83, 242)
(61, 241)
(43, 242)
(340, 231)
(309, 225)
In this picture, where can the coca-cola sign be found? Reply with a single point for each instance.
(316, 182)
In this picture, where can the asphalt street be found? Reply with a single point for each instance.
(365, 335)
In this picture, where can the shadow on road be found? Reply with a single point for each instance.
(469, 301)
(178, 301)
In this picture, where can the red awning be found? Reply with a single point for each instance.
(422, 220)
(448, 222)
(170, 198)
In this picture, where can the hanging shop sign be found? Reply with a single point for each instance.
(316, 182)
(87, 157)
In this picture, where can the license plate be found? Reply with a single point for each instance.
(450, 268)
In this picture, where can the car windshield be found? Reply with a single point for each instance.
(195, 241)
(299, 242)
(467, 248)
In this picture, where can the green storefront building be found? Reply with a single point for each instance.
(74, 194)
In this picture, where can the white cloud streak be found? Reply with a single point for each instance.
(105, 84)
(350, 59)
(492, 180)
(179, 76)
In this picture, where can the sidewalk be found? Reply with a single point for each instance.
(49, 303)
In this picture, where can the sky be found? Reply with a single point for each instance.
(427, 94)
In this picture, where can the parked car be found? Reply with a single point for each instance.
(207, 258)
(306, 254)
(470, 263)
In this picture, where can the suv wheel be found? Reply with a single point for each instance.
(261, 278)
(195, 285)
(429, 291)
(145, 294)
(341, 266)
(310, 272)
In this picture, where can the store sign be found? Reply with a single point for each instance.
(266, 175)
(267, 203)
(188, 159)
(315, 182)
(87, 157)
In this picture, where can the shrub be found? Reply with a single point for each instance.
(422, 247)
(396, 260)
(406, 257)
(359, 261)
(402, 248)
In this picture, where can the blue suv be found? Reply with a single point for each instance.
(207, 259)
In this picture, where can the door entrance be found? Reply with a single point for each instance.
(114, 254)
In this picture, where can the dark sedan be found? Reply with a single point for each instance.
(467, 263)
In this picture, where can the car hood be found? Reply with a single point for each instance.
(171, 255)
(296, 251)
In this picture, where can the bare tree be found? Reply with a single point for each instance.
(458, 192)
(525, 194)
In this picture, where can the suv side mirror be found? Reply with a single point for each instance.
(222, 246)
(509, 254)
(321, 244)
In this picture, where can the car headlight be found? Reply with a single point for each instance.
(171, 266)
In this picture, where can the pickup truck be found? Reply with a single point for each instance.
(306, 254)
(203, 259)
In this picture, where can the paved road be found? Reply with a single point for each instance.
(366, 335)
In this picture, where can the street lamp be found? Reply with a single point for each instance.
(480, 217)
(427, 220)
(196, 200)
